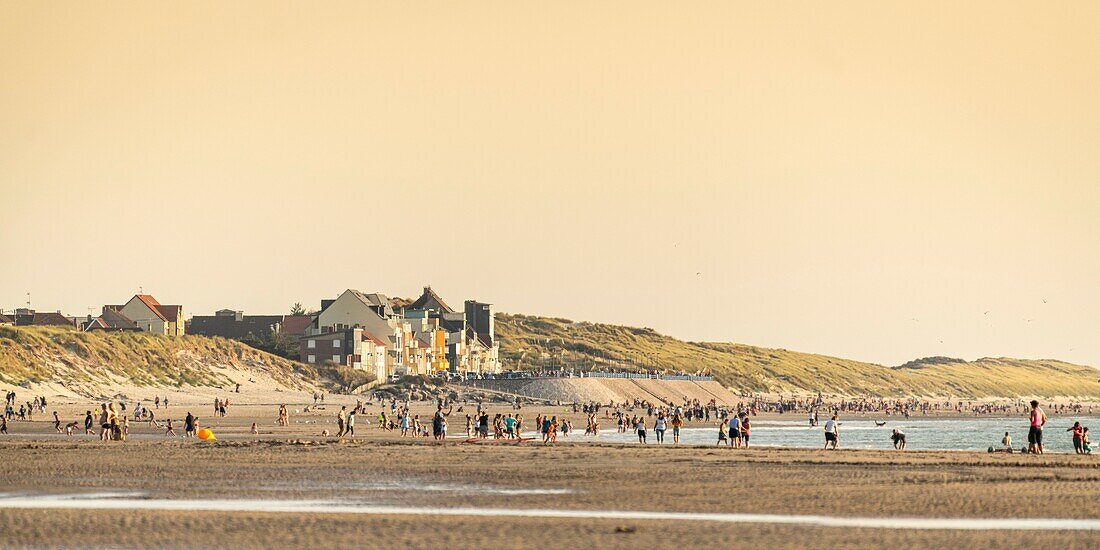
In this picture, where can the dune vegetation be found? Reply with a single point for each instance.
(52, 355)
(532, 342)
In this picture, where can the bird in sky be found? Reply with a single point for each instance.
(986, 313)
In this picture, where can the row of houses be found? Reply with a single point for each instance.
(370, 332)
(141, 313)
(426, 336)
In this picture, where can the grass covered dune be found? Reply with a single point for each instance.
(532, 341)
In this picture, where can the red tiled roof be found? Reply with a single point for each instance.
(152, 304)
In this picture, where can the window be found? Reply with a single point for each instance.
(335, 343)
(336, 359)
(311, 344)
(311, 358)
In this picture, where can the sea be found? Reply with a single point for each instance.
(940, 434)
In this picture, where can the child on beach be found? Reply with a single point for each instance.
(1078, 437)
(171, 431)
(1085, 441)
(722, 427)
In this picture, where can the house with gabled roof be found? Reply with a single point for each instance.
(152, 316)
(51, 319)
(373, 313)
(6, 321)
(110, 320)
(429, 301)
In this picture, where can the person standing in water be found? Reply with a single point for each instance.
(1077, 429)
(677, 422)
(832, 432)
(1035, 432)
(641, 430)
(899, 439)
(658, 427)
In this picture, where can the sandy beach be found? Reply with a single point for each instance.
(378, 468)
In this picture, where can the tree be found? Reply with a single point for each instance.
(297, 309)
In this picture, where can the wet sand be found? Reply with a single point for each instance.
(380, 468)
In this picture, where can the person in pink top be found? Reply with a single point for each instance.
(1035, 433)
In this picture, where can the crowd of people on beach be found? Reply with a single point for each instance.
(647, 421)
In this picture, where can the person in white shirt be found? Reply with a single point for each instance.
(832, 432)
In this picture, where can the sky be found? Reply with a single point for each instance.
(873, 180)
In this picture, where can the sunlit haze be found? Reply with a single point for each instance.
(877, 183)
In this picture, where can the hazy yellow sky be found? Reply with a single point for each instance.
(858, 179)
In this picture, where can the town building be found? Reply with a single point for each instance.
(234, 324)
(111, 321)
(25, 317)
(152, 316)
(353, 347)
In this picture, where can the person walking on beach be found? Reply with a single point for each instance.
(284, 416)
(1035, 432)
(88, 421)
(832, 432)
(1085, 448)
(640, 427)
(189, 425)
(3, 424)
(439, 422)
(57, 422)
(349, 425)
(1078, 437)
(341, 420)
(171, 431)
(745, 428)
(103, 424)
